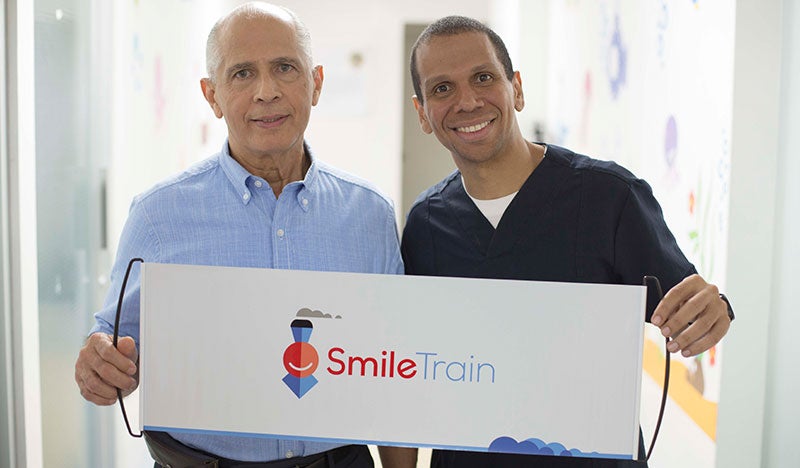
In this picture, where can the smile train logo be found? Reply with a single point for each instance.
(300, 359)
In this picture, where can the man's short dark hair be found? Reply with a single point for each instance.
(450, 26)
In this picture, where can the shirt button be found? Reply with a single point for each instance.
(280, 232)
(246, 196)
(289, 454)
(305, 202)
(258, 184)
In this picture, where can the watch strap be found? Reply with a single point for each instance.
(730, 309)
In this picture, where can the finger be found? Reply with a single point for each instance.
(127, 347)
(111, 375)
(95, 390)
(708, 340)
(91, 386)
(694, 323)
(685, 314)
(690, 309)
(96, 376)
(106, 350)
(675, 297)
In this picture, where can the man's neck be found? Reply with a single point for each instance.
(503, 176)
(277, 170)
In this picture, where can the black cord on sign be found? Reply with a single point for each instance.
(116, 338)
(653, 281)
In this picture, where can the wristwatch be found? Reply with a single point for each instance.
(730, 309)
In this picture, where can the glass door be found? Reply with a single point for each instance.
(71, 80)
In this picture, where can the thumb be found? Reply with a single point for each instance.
(127, 347)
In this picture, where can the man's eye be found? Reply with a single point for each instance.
(242, 74)
(484, 77)
(285, 68)
(442, 88)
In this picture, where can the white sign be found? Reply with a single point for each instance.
(464, 364)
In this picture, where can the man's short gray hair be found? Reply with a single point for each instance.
(255, 10)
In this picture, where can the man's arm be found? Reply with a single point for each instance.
(398, 457)
(101, 368)
(694, 315)
(691, 312)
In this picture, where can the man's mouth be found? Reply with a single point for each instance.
(269, 119)
(473, 128)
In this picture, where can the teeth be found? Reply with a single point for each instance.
(473, 128)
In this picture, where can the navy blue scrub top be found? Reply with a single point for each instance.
(575, 219)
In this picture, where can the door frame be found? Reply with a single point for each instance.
(20, 411)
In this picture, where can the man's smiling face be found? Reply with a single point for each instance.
(468, 102)
(264, 87)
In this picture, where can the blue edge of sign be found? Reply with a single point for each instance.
(501, 444)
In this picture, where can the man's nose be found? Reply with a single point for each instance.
(469, 99)
(267, 89)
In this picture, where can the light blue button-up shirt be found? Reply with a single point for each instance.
(216, 213)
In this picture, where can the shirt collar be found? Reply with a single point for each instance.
(313, 169)
(238, 176)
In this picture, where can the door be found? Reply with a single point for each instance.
(71, 81)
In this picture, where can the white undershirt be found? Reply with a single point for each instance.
(493, 209)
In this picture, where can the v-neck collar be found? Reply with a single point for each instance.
(533, 198)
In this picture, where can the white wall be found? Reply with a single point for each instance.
(782, 409)
(525, 28)
(160, 121)
(754, 150)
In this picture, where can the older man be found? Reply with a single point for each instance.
(263, 201)
(515, 209)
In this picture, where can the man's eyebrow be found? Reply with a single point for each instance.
(237, 66)
(435, 79)
(289, 60)
(482, 67)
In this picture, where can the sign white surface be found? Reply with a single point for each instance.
(466, 364)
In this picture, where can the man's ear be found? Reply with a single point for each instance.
(209, 92)
(519, 97)
(423, 120)
(318, 75)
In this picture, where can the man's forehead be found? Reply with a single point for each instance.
(456, 53)
(263, 34)
(243, 28)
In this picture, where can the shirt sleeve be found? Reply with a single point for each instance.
(416, 246)
(137, 241)
(644, 245)
(394, 262)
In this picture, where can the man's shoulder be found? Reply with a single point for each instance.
(432, 192)
(601, 169)
(602, 182)
(195, 176)
(350, 183)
